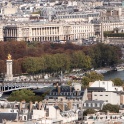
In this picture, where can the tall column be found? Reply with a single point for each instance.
(10, 32)
(9, 74)
(102, 34)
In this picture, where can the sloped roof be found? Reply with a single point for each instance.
(8, 116)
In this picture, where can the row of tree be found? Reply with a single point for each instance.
(37, 57)
(57, 62)
(112, 34)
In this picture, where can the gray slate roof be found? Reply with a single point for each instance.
(8, 116)
(94, 104)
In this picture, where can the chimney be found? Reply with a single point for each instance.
(61, 106)
(70, 88)
(70, 104)
(30, 106)
(20, 106)
(77, 93)
(39, 105)
(59, 89)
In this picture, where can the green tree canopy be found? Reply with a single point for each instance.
(89, 111)
(111, 108)
(80, 60)
(91, 77)
(85, 81)
(118, 82)
(109, 57)
(24, 94)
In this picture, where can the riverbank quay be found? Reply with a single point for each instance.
(104, 70)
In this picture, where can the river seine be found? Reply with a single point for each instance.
(114, 74)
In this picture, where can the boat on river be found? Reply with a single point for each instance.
(101, 71)
(120, 68)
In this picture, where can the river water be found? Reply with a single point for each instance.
(114, 74)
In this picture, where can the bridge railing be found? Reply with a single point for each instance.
(44, 81)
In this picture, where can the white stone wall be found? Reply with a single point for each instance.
(108, 85)
(38, 114)
(108, 97)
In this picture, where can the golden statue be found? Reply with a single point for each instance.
(9, 57)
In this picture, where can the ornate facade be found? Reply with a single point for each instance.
(39, 31)
(47, 32)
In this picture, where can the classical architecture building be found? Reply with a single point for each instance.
(53, 31)
(39, 31)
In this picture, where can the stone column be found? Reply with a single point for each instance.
(9, 74)
(102, 33)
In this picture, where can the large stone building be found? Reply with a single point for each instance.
(39, 31)
(56, 31)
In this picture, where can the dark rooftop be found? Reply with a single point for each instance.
(67, 91)
(8, 116)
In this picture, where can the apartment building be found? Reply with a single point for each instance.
(107, 97)
(108, 85)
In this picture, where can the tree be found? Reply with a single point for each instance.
(109, 57)
(89, 111)
(90, 77)
(85, 81)
(93, 76)
(118, 82)
(110, 108)
(31, 65)
(80, 60)
(24, 94)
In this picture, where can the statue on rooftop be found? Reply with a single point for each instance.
(9, 56)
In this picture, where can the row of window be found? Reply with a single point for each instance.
(91, 104)
(77, 16)
(66, 93)
(100, 95)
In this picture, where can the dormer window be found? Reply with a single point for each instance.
(98, 104)
(93, 104)
(89, 104)
(79, 93)
(84, 104)
(74, 93)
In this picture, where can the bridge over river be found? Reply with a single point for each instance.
(11, 86)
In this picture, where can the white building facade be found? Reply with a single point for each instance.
(48, 31)
(107, 97)
(108, 85)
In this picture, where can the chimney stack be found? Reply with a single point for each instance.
(20, 106)
(30, 106)
(40, 105)
(70, 104)
(59, 89)
(70, 88)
